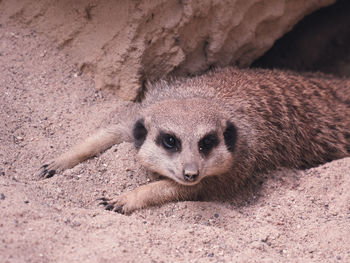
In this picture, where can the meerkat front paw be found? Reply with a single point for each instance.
(126, 203)
(156, 193)
(47, 170)
(53, 167)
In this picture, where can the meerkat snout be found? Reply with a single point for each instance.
(190, 172)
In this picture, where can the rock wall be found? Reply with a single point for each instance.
(124, 43)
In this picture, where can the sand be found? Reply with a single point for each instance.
(47, 105)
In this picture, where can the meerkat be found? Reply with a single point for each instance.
(207, 135)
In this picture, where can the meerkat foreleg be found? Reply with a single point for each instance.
(95, 144)
(155, 193)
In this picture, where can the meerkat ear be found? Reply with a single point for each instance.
(139, 132)
(230, 136)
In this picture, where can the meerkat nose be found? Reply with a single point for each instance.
(190, 177)
(190, 172)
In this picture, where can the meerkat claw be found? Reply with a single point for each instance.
(110, 205)
(45, 173)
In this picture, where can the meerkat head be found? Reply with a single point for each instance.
(185, 140)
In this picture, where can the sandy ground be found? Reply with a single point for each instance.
(46, 106)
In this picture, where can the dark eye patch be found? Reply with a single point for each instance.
(230, 136)
(139, 132)
(169, 142)
(208, 142)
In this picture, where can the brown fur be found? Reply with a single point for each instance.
(282, 119)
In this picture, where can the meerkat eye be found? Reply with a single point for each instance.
(208, 142)
(169, 142)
